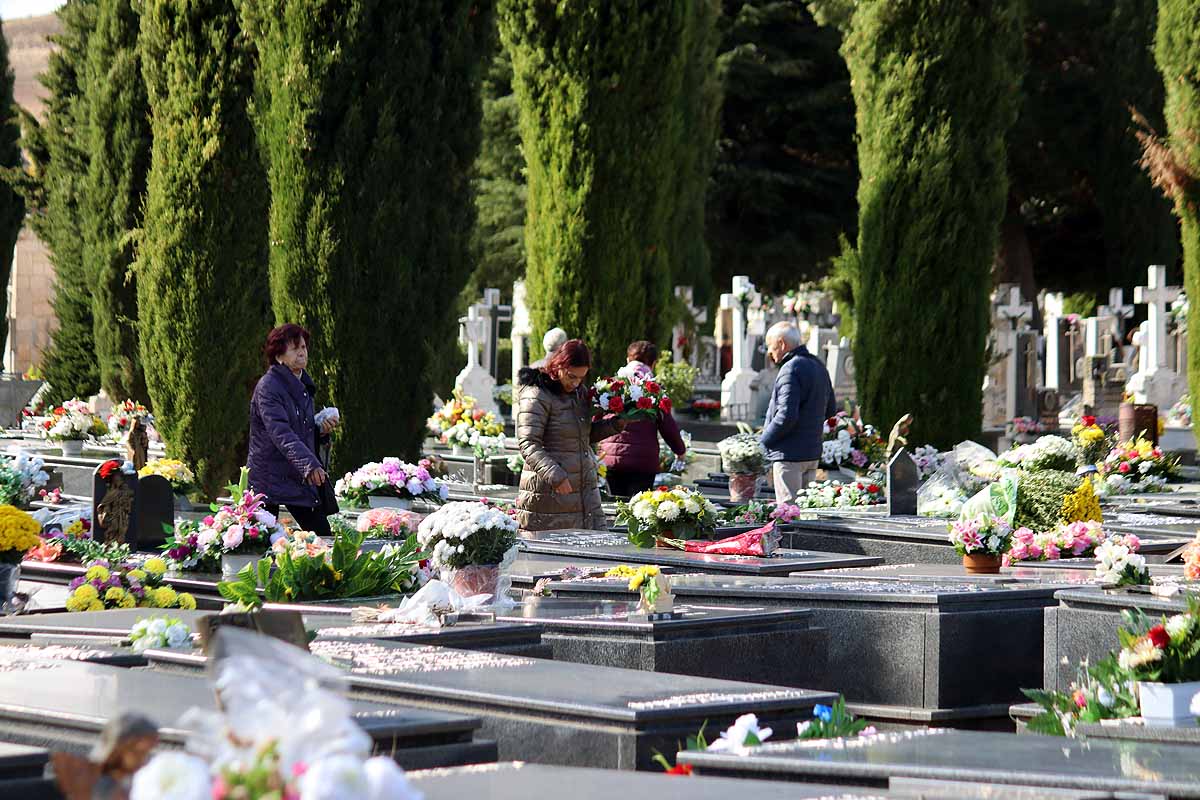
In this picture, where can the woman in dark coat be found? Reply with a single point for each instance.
(284, 434)
(555, 432)
(632, 455)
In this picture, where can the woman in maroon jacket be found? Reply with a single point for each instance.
(632, 456)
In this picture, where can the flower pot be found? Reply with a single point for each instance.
(473, 580)
(1168, 705)
(233, 563)
(981, 563)
(10, 576)
(742, 487)
(71, 447)
(387, 501)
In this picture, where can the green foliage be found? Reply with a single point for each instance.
(12, 204)
(113, 191)
(345, 572)
(1105, 690)
(597, 84)
(678, 380)
(84, 551)
(935, 84)
(695, 742)
(1175, 163)
(202, 258)
(1040, 498)
(368, 120)
(832, 722)
(57, 150)
(783, 185)
(1081, 303)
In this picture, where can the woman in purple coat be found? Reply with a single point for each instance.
(284, 434)
(632, 456)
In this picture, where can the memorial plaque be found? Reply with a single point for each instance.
(610, 546)
(969, 756)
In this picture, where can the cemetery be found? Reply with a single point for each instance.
(683, 399)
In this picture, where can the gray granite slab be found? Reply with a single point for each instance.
(551, 712)
(761, 645)
(1137, 732)
(956, 572)
(612, 546)
(519, 781)
(17, 654)
(18, 761)
(913, 644)
(64, 706)
(970, 756)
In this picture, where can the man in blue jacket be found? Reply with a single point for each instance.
(801, 400)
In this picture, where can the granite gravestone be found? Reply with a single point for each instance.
(154, 512)
(903, 480)
(953, 758)
(571, 714)
(913, 656)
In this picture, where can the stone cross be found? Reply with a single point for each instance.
(522, 329)
(1014, 312)
(496, 314)
(1096, 341)
(1052, 313)
(1155, 382)
(737, 388)
(1119, 310)
(682, 349)
(475, 381)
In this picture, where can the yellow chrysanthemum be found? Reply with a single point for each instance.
(75, 528)
(77, 603)
(114, 595)
(622, 571)
(186, 601)
(128, 601)
(136, 574)
(18, 530)
(164, 596)
(97, 572)
(95, 605)
(87, 592)
(1082, 505)
(155, 566)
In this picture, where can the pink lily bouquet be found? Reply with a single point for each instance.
(986, 535)
(243, 528)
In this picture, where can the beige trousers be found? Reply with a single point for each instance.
(792, 476)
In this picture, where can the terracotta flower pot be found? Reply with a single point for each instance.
(981, 563)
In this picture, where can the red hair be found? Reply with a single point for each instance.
(280, 338)
(573, 353)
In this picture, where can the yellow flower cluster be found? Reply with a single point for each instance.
(155, 566)
(172, 469)
(1082, 505)
(462, 409)
(640, 576)
(74, 530)
(18, 530)
(622, 571)
(1088, 434)
(85, 598)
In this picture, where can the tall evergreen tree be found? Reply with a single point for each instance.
(1175, 161)
(597, 82)
(784, 181)
(12, 204)
(112, 195)
(936, 87)
(57, 150)
(202, 261)
(368, 119)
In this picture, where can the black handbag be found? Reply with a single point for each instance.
(327, 503)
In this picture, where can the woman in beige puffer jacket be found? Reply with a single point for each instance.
(555, 432)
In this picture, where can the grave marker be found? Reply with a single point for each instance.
(475, 381)
(903, 481)
(737, 388)
(1156, 382)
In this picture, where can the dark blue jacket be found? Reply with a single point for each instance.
(801, 400)
(283, 438)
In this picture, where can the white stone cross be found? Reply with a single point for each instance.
(475, 381)
(522, 329)
(1119, 310)
(1158, 297)
(737, 388)
(1015, 311)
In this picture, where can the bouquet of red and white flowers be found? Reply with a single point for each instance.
(630, 397)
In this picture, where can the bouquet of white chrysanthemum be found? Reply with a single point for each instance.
(676, 512)
(1047, 453)
(743, 454)
(466, 534)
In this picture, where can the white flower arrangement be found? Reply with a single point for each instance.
(159, 633)
(743, 454)
(1117, 562)
(73, 420)
(943, 500)
(658, 511)
(831, 494)
(1048, 452)
(465, 534)
(743, 734)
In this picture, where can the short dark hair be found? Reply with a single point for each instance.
(282, 337)
(643, 351)
(573, 353)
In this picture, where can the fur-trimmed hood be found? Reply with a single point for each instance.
(529, 376)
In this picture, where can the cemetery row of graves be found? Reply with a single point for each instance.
(1009, 617)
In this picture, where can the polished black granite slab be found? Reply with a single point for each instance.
(612, 546)
(969, 756)
(1015, 575)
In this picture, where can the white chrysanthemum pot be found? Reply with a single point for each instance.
(387, 501)
(1168, 705)
(71, 447)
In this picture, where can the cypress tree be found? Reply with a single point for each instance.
(12, 205)
(112, 195)
(202, 259)
(597, 82)
(368, 118)
(59, 165)
(1175, 162)
(936, 88)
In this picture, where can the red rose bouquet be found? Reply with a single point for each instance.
(632, 398)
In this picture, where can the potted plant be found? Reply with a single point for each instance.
(391, 483)
(981, 542)
(467, 543)
(743, 458)
(667, 513)
(1165, 662)
(18, 535)
(72, 423)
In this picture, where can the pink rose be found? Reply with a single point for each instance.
(1124, 467)
(232, 538)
